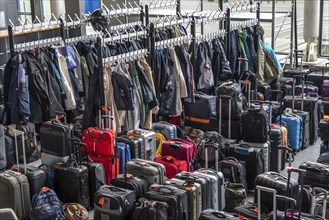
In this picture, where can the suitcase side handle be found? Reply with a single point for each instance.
(164, 189)
(176, 146)
(90, 133)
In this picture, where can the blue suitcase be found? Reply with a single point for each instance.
(124, 154)
(294, 125)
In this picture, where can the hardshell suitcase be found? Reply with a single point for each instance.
(150, 210)
(135, 144)
(165, 128)
(137, 184)
(306, 127)
(173, 166)
(3, 158)
(180, 149)
(194, 196)
(253, 159)
(325, 88)
(114, 203)
(317, 79)
(72, 174)
(14, 186)
(266, 151)
(110, 164)
(309, 87)
(153, 172)
(317, 174)
(55, 138)
(204, 184)
(125, 155)
(278, 182)
(324, 129)
(149, 142)
(174, 197)
(294, 126)
(212, 214)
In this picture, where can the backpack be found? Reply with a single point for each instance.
(31, 151)
(46, 205)
(160, 138)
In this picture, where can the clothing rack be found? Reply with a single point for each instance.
(211, 36)
(125, 56)
(172, 42)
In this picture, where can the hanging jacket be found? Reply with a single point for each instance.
(203, 72)
(220, 65)
(185, 66)
(234, 53)
(252, 50)
(54, 66)
(123, 92)
(53, 88)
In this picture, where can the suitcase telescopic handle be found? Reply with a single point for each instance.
(265, 189)
(324, 206)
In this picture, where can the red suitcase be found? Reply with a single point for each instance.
(110, 164)
(173, 166)
(180, 149)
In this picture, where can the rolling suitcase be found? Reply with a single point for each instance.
(233, 171)
(149, 142)
(124, 154)
(253, 159)
(135, 144)
(153, 172)
(14, 186)
(204, 184)
(324, 129)
(323, 158)
(72, 173)
(212, 214)
(317, 174)
(172, 165)
(54, 137)
(217, 179)
(181, 150)
(278, 182)
(176, 199)
(165, 128)
(31, 151)
(3, 158)
(150, 210)
(52, 160)
(325, 88)
(265, 90)
(306, 127)
(114, 203)
(128, 181)
(194, 196)
(308, 87)
(266, 151)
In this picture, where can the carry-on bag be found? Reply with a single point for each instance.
(114, 203)
(194, 196)
(124, 154)
(180, 149)
(252, 157)
(198, 114)
(235, 195)
(176, 199)
(153, 172)
(14, 186)
(31, 151)
(135, 144)
(317, 174)
(212, 214)
(128, 181)
(149, 145)
(172, 165)
(150, 210)
(233, 170)
(324, 129)
(55, 137)
(266, 151)
(204, 184)
(165, 128)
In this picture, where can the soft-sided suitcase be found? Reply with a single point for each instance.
(153, 172)
(173, 166)
(235, 126)
(204, 184)
(165, 128)
(265, 90)
(52, 160)
(14, 187)
(317, 79)
(174, 197)
(278, 182)
(198, 114)
(10, 152)
(55, 138)
(233, 171)
(76, 176)
(317, 174)
(324, 129)
(180, 149)
(31, 151)
(253, 159)
(294, 126)
(150, 210)
(266, 151)
(114, 203)
(194, 196)
(255, 126)
(149, 145)
(323, 158)
(212, 214)
(309, 87)
(324, 147)
(135, 144)
(137, 184)
(124, 153)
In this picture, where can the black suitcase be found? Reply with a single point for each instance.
(55, 137)
(204, 183)
(317, 78)
(299, 72)
(114, 203)
(323, 158)
(278, 182)
(139, 185)
(317, 174)
(324, 147)
(306, 127)
(253, 159)
(324, 129)
(150, 210)
(255, 126)
(176, 199)
(265, 90)
(212, 214)
(233, 170)
(235, 132)
(31, 151)
(135, 144)
(96, 179)
(75, 177)
(311, 106)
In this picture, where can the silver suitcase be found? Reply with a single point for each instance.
(165, 128)
(149, 141)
